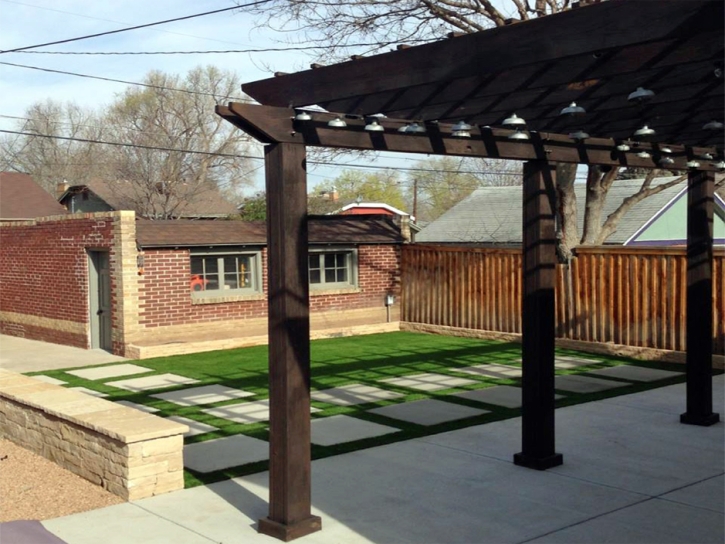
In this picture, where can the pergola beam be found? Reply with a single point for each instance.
(272, 124)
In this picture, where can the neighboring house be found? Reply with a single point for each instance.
(111, 281)
(22, 198)
(184, 201)
(492, 215)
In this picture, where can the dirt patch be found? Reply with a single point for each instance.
(34, 488)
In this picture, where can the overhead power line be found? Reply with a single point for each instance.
(137, 27)
(101, 78)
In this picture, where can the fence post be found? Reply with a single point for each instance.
(538, 327)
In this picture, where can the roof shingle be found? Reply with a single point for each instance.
(22, 198)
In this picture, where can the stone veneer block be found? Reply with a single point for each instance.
(206, 394)
(328, 431)
(131, 453)
(429, 382)
(148, 383)
(354, 394)
(427, 412)
(48, 379)
(224, 453)
(113, 371)
(635, 373)
(585, 384)
(493, 370)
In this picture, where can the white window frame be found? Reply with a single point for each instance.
(220, 254)
(351, 262)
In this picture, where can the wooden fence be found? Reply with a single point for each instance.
(621, 295)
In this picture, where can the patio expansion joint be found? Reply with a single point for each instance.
(173, 522)
(661, 495)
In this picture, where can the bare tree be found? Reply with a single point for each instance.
(364, 26)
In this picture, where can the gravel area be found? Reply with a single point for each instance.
(34, 488)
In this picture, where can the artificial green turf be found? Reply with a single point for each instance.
(340, 361)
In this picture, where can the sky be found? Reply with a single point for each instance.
(24, 23)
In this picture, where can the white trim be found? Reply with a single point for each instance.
(388, 207)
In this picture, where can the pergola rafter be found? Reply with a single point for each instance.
(594, 55)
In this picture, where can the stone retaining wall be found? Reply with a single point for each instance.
(130, 453)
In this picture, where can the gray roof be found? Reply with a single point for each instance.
(493, 214)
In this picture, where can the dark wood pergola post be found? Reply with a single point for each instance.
(538, 327)
(700, 202)
(289, 346)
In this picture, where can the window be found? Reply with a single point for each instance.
(225, 274)
(332, 269)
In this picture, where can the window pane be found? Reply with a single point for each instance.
(330, 260)
(329, 276)
(231, 276)
(211, 273)
(314, 261)
(315, 276)
(340, 260)
(341, 275)
(197, 265)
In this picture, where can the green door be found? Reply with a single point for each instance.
(100, 299)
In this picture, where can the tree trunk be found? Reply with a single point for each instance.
(567, 231)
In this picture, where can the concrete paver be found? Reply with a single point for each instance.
(429, 382)
(149, 383)
(114, 371)
(355, 393)
(507, 396)
(195, 427)
(224, 453)
(635, 373)
(338, 429)
(585, 384)
(427, 411)
(493, 370)
(631, 473)
(206, 394)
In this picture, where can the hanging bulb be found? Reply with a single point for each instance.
(641, 95)
(374, 126)
(303, 116)
(644, 132)
(337, 122)
(579, 135)
(573, 110)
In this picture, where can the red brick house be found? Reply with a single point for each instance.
(107, 280)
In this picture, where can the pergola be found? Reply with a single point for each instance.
(595, 56)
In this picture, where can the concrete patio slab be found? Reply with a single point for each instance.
(224, 453)
(635, 373)
(708, 494)
(206, 394)
(195, 427)
(585, 384)
(654, 521)
(427, 411)
(159, 381)
(89, 392)
(115, 371)
(48, 379)
(507, 396)
(493, 370)
(429, 382)
(246, 412)
(136, 406)
(355, 393)
(339, 429)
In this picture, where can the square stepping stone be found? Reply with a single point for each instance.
(222, 453)
(636, 373)
(114, 371)
(429, 382)
(493, 370)
(48, 379)
(247, 412)
(160, 381)
(565, 362)
(195, 427)
(136, 406)
(206, 394)
(338, 429)
(585, 384)
(89, 391)
(501, 395)
(354, 394)
(427, 412)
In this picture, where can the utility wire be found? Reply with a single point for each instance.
(147, 25)
(125, 82)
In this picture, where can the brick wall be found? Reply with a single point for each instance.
(165, 298)
(44, 275)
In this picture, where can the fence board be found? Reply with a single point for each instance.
(631, 296)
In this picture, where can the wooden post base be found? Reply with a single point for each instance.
(289, 532)
(702, 421)
(538, 463)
